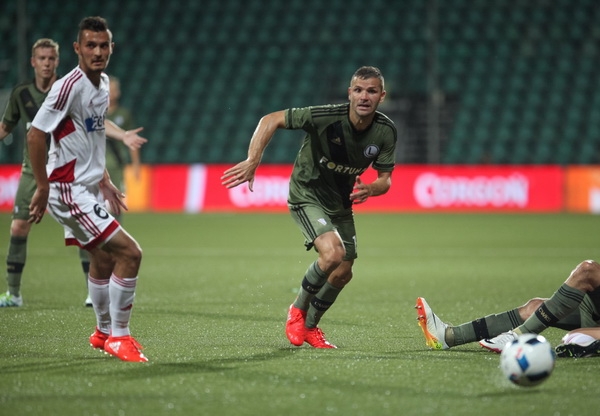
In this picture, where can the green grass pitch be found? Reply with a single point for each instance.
(211, 305)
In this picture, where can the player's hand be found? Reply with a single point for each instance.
(240, 173)
(132, 140)
(360, 192)
(37, 207)
(113, 196)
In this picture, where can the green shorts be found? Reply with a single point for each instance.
(25, 192)
(313, 222)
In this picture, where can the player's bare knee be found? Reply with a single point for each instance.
(330, 264)
(19, 228)
(586, 276)
(134, 254)
(331, 258)
(530, 307)
(347, 277)
(340, 277)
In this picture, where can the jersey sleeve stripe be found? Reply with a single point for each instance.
(327, 111)
(66, 90)
(384, 167)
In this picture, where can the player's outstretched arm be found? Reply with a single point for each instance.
(130, 137)
(244, 171)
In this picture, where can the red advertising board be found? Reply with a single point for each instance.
(270, 190)
(415, 188)
(471, 188)
(9, 181)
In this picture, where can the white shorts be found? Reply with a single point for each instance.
(81, 211)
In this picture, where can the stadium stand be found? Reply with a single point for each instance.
(517, 78)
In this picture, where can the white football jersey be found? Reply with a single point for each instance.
(74, 114)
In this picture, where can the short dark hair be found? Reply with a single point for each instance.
(93, 23)
(366, 72)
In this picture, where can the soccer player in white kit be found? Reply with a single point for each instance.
(76, 188)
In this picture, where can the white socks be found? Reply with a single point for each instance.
(113, 301)
(98, 290)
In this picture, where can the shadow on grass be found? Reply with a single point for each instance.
(108, 364)
(220, 315)
(511, 391)
(41, 364)
(213, 365)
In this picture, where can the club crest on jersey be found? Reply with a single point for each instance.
(338, 168)
(371, 151)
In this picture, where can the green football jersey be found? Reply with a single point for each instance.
(23, 104)
(333, 154)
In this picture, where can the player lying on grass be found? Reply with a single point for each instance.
(575, 307)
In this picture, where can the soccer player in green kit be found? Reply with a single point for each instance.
(574, 306)
(23, 104)
(341, 142)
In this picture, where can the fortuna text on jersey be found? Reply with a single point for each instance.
(348, 170)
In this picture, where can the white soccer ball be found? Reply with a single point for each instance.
(528, 360)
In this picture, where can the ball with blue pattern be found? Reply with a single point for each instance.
(528, 360)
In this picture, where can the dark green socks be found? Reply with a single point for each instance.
(15, 262)
(313, 281)
(320, 303)
(482, 328)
